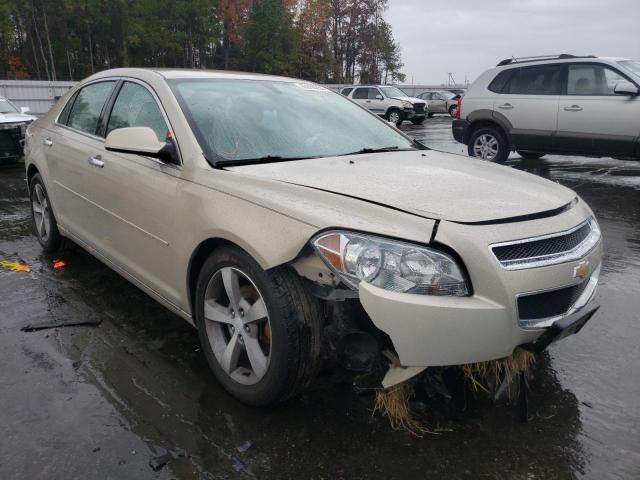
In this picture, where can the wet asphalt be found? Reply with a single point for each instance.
(133, 398)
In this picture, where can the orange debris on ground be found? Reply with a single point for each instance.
(58, 264)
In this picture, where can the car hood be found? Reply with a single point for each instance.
(15, 118)
(426, 183)
(411, 99)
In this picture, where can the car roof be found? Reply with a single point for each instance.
(531, 61)
(184, 73)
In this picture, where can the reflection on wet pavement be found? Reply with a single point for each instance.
(102, 402)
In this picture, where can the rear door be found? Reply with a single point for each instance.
(370, 98)
(137, 196)
(594, 119)
(70, 145)
(528, 101)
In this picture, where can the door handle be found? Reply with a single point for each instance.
(48, 142)
(573, 108)
(368, 101)
(96, 161)
(506, 106)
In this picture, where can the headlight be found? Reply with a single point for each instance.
(390, 264)
(406, 104)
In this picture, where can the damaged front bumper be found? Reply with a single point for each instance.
(428, 331)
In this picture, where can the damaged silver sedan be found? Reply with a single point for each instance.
(292, 227)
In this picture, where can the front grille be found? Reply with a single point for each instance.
(10, 143)
(549, 304)
(418, 107)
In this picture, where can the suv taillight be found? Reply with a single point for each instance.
(459, 107)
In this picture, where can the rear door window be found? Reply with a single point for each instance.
(539, 80)
(361, 93)
(87, 107)
(135, 106)
(590, 79)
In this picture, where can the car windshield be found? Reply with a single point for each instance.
(632, 65)
(267, 120)
(7, 107)
(393, 92)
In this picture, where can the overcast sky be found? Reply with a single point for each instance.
(467, 37)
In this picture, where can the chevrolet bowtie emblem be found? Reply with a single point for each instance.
(581, 270)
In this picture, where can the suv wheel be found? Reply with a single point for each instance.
(259, 330)
(489, 143)
(395, 116)
(453, 110)
(530, 155)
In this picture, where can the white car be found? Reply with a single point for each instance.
(308, 229)
(560, 104)
(441, 101)
(388, 102)
(13, 124)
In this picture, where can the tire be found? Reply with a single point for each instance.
(396, 116)
(430, 115)
(530, 155)
(44, 222)
(453, 110)
(417, 121)
(287, 334)
(489, 143)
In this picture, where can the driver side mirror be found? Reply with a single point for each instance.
(141, 141)
(379, 97)
(625, 88)
(24, 110)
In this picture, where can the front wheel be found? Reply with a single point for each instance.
(489, 143)
(417, 121)
(395, 116)
(453, 111)
(530, 155)
(259, 330)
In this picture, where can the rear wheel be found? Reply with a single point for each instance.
(430, 115)
(44, 221)
(417, 121)
(259, 330)
(530, 155)
(489, 143)
(453, 110)
(395, 116)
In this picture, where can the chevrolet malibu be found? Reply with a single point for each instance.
(292, 228)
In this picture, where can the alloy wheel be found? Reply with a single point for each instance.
(238, 325)
(486, 147)
(41, 213)
(394, 117)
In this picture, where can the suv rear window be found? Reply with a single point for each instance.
(538, 80)
(498, 83)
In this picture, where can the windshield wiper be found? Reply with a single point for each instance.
(377, 150)
(265, 159)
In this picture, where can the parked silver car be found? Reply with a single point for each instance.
(441, 101)
(388, 102)
(307, 229)
(561, 104)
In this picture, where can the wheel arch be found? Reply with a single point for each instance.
(485, 118)
(31, 171)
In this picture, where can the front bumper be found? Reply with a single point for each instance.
(460, 129)
(11, 141)
(431, 331)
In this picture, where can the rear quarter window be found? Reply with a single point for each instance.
(346, 91)
(501, 80)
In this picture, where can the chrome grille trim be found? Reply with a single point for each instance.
(553, 258)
